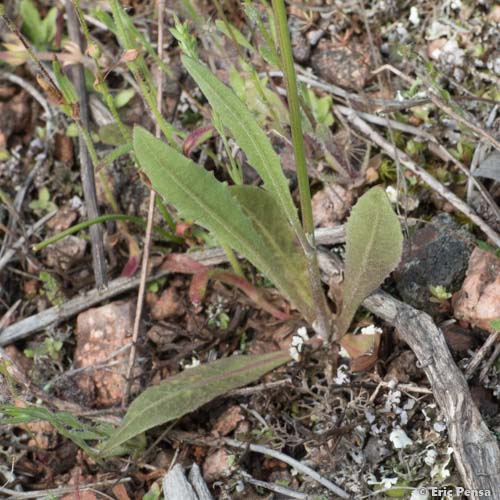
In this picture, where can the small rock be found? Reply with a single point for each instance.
(168, 305)
(478, 300)
(331, 205)
(494, 15)
(228, 421)
(217, 465)
(43, 435)
(300, 45)
(346, 66)
(375, 450)
(438, 255)
(435, 48)
(63, 219)
(65, 252)
(100, 332)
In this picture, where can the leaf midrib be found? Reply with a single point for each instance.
(247, 245)
(199, 385)
(364, 260)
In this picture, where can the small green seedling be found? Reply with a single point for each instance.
(43, 203)
(41, 32)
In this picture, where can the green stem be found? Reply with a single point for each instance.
(141, 77)
(295, 117)
(233, 260)
(103, 218)
(322, 324)
(101, 84)
(165, 213)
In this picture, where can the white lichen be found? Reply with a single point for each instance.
(298, 343)
(414, 16)
(400, 439)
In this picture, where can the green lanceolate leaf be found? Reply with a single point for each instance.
(247, 133)
(238, 35)
(197, 195)
(189, 390)
(373, 249)
(271, 223)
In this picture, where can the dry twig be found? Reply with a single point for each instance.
(406, 161)
(481, 354)
(149, 226)
(87, 169)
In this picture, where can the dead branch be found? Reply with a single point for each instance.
(86, 167)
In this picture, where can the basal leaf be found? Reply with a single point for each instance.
(247, 133)
(271, 223)
(189, 390)
(197, 195)
(373, 249)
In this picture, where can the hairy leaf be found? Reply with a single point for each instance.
(247, 133)
(65, 423)
(271, 223)
(189, 390)
(200, 197)
(373, 249)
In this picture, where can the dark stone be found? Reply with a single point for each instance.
(301, 48)
(438, 255)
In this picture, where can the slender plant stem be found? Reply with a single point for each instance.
(149, 226)
(322, 324)
(165, 214)
(101, 84)
(110, 102)
(295, 117)
(143, 80)
(104, 218)
(233, 260)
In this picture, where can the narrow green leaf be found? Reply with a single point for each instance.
(247, 133)
(123, 97)
(374, 245)
(197, 195)
(238, 35)
(189, 390)
(31, 22)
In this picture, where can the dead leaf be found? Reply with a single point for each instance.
(63, 219)
(362, 349)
